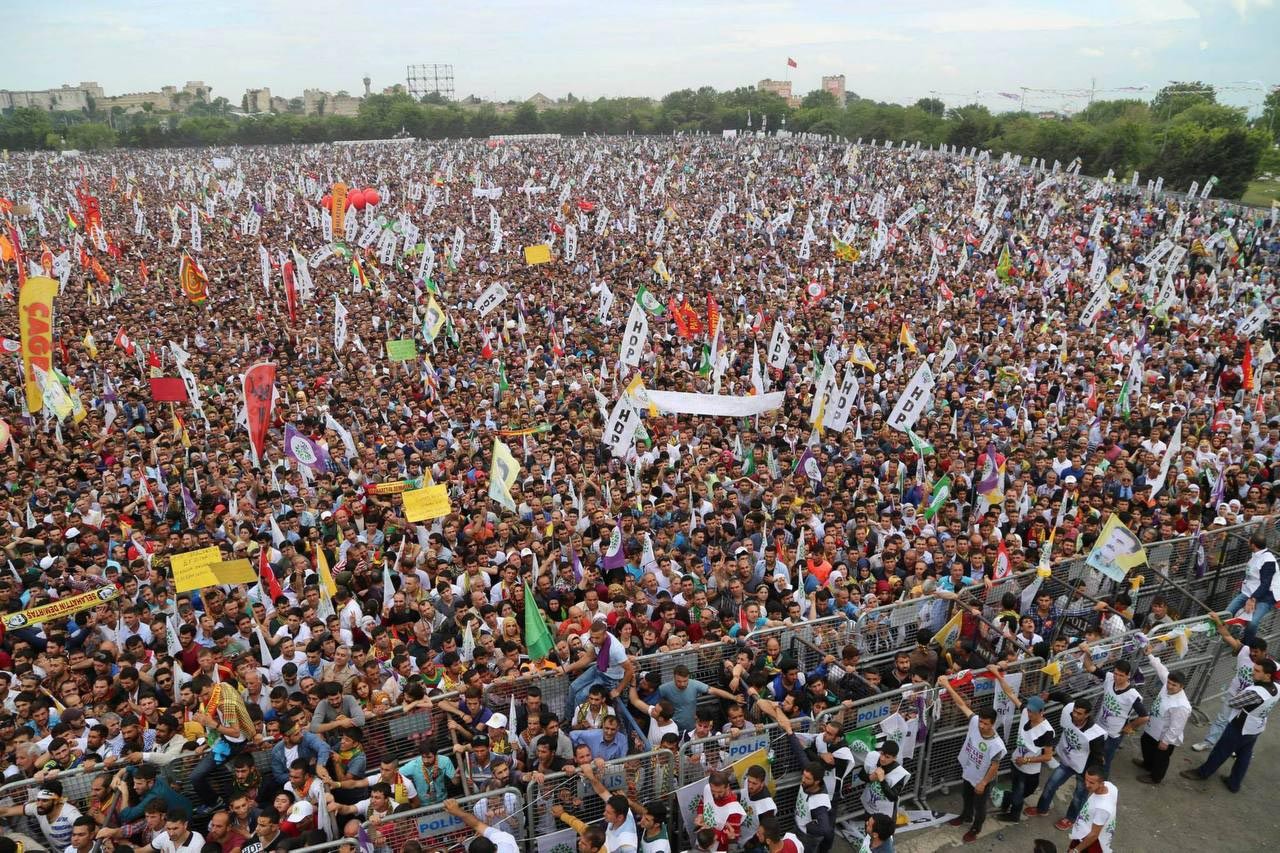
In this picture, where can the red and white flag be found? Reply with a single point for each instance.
(122, 341)
(791, 63)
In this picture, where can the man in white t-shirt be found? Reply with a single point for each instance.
(488, 839)
(177, 836)
(1096, 823)
(54, 814)
(979, 761)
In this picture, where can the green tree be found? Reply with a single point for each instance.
(819, 99)
(1176, 97)
(91, 136)
(1269, 121)
(932, 106)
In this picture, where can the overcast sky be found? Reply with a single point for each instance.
(510, 49)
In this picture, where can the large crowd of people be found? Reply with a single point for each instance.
(687, 425)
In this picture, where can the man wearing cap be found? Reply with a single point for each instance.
(54, 814)
(1032, 749)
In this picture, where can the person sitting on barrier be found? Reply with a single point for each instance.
(814, 814)
(979, 758)
(1081, 743)
(736, 723)
(1248, 653)
(1261, 587)
(592, 713)
(477, 761)
(602, 661)
(1157, 616)
(590, 836)
(1122, 710)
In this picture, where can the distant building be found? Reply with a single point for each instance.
(257, 100)
(66, 98)
(781, 88)
(318, 102)
(834, 84)
(541, 101)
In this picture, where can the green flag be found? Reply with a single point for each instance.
(941, 491)
(918, 444)
(649, 302)
(1004, 265)
(503, 385)
(704, 366)
(749, 462)
(537, 639)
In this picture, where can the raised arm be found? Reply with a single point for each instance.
(1225, 633)
(1004, 685)
(962, 705)
(473, 823)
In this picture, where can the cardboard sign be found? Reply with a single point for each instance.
(427, 503)
(402, 350)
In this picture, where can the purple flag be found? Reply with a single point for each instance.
(189, 507)
(614, 557)
(300, 448)
(807, 464)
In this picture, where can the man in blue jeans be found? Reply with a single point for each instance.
(1080, 745)
(1261, 586)
(1251, 708)
(604, 661)
(227, 728)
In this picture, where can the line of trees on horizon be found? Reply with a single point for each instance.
(1184, 134)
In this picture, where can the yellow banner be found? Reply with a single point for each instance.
(196, 569)
(35, 322)
(339, 210)
(62, 607)
(326, 576)
(394, 487)
(539, 254)
(425, 504)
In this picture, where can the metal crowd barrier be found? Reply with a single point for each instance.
(645, 777)
(436, 829)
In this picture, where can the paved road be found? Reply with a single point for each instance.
(1178, 816)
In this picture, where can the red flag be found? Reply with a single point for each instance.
(1002, 562)
(16, 239)
(713, 314)
(259, 399)
(143, 273)
(99, 273)
(791, 63)
(267, 575)
(168, 389)
(290, 292)
(1246, 367)
(556, 227)
(122, 341)
(586, 206)
(487, 350)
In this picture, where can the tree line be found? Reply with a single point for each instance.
(1184, 134)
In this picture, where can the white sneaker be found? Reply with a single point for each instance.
(1201, 746)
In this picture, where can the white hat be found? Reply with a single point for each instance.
(1070, 479)
(47, 562)
(497, 721)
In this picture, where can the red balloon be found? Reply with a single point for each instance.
(327, 202)
(371, 196)
(357, 199)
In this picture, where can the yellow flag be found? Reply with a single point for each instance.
(90, 346)
(539, 254)
(660, 267)
(326, 576)
(906, 339)
(950, 633)
(860, 357)
(1053, 669)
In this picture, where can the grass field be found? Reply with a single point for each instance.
(1261, 193)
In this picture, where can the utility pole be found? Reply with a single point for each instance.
(1093, 87)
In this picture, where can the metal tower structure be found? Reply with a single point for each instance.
(429, 78)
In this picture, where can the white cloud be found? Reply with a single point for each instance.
(1242, 7)
(1204, 45)
(1092, 51)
